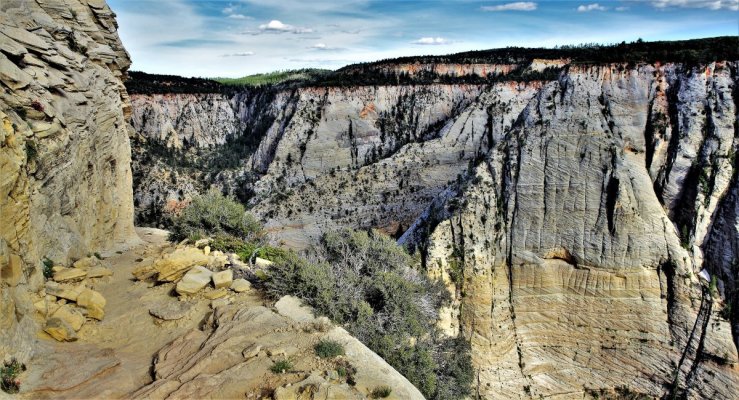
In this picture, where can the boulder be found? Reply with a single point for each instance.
(206, 250)
(240, 285)
(46, 307)
(64, 291)
(194, 280)
(174, 265)
(94, 302)
(70, 316)
(170, 310)
(60, 330)
(223, 279)
(70, 274)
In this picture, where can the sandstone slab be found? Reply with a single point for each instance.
(70, 274)
(194, 280)
(240, 285)
(174, 265)
(223, 279)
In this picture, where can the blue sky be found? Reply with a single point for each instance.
(240, 37)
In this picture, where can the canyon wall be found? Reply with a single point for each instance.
(65, 158)
(570, 218)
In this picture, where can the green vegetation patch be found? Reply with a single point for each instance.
(366, 282)
(329, 349)
(282, 366)
(273, 78)
(9, 381)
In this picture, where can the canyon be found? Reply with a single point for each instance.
(582, 215)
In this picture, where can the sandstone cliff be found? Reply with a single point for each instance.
(569, 217)
(65, 171)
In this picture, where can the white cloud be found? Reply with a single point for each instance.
(622, 8)
(431, 41)
(517, 6)
(278, 27)
(732, 5)
(591, 7)
(238, 16)
(242, 54)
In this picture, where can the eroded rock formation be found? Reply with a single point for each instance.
(65, 172)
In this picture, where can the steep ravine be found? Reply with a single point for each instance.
(570, 218)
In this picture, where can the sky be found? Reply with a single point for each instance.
(233, 38)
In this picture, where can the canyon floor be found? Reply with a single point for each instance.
(216, 350)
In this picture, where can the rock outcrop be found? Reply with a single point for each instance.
(233, 356)
(577, 243)
(65, 173)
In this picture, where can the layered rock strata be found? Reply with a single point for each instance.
(65, 172)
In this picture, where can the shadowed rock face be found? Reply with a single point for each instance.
(65, 172)
(568, 218)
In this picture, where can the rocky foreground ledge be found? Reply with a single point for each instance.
(155, 342)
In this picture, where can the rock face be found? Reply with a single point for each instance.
(578, 241)
(65, 173)
(569, 218)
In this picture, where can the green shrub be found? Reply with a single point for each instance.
(48, 265)
(281, 366)
(214, 214)
(346, 370)
(366, 282)
(329, 349)
(9, 382)
(381, 392)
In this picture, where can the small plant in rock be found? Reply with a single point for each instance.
(381, 392)
(9, 381)
(282, 366)
(48, 268)
(329, 349)
(346, 371)
(98, 256)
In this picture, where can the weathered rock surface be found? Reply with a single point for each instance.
(240, 285)
(234, 353)
(223, 279)
(65, 173)
(172, 266)
(170, 310)
(194, 281)
(578, 240)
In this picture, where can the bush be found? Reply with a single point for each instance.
(281, 366)
(329, 349)
(381, 392)
(214, 214)
(9, 382)
(366, 282)
(48, 268)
